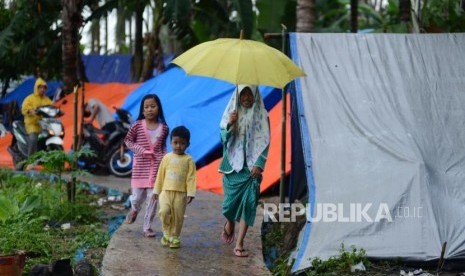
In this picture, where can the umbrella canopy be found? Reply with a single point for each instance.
(239, 61)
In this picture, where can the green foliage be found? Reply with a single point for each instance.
(18, 198)
(177, 10)
(23, 197)
(281, 266)
(32, 212)
(5, 15)
(28, 39)
(272, 240)
(275, 236)
(11, 208)
(245, 17)
(29, 236)
(210, 19)
(57, 161)
(91, 236)
(338, 265)
(443, 16)
(272, 15)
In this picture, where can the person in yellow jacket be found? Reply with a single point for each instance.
(31, 119)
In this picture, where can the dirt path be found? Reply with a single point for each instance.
(202, 252)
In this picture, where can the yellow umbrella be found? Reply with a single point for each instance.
(239, 61)
(242, 61)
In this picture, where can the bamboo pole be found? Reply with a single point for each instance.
(441, 258)
(72, 185)
(75, 118)
(81, 119)
(282, 180)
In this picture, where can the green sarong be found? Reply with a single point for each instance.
(241, 193)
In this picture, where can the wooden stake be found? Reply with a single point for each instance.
(441, 259)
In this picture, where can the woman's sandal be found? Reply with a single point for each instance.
(227, 237)
(241, 253)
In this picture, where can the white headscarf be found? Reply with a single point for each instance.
(252, 129)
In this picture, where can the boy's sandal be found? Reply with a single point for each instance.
(165, 240)
(227, 237)
(149, 233)
(131, 217)
(175, 243)
(241, 253)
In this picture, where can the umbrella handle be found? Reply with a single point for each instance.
(234, 129)
(234, 126)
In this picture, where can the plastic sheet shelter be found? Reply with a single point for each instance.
(383, 135)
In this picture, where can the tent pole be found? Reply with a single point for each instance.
(283, 150)
(282, 179)
(75, 118)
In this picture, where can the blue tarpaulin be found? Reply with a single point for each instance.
(195, 102)
(111, 68)
(26, 88)
(104, 69)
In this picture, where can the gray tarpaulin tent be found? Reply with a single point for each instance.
(383, 137)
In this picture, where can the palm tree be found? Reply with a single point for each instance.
(137, 61)
(404, 11)
(72, 21)
(305, 15)
(354, 16)
(154, 56)
(120, 30)
(95, 30)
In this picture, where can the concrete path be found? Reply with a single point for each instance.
(202, 252)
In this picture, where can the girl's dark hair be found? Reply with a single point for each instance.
(161, 116)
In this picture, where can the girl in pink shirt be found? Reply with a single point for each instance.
(147, 139)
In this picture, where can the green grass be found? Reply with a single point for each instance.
(32, 211)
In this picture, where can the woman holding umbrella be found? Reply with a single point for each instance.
(245, 134)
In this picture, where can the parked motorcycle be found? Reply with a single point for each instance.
(50, 138)
(108, 145)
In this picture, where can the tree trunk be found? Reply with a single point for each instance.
(95, 30)
(72, 21)
(305, 15)
(6, 85)
(120, 30)
(131, 42)
(354, 16)
(154, 57)
(138, 43)
(95, 43)
(105, 49)
(404, 11)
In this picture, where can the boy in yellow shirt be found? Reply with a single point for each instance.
(175, 186)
